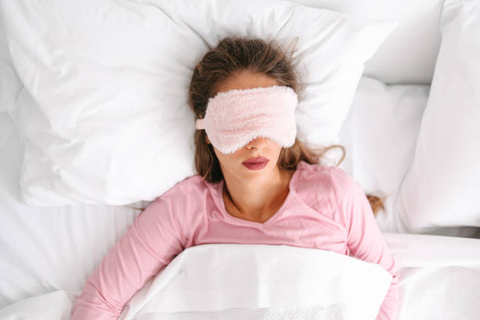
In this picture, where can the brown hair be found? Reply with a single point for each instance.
(231, 56)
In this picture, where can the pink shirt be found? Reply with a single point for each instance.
(325, 209)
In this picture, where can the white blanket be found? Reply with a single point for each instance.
(236, 281)
(262, 281)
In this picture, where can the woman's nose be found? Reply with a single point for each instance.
(258, 143)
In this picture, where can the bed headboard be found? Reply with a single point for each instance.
(409, 53)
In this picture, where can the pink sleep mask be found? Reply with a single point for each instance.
(236, 117)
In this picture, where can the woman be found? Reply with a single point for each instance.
(256, 184)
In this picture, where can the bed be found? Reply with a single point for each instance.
(48, 251)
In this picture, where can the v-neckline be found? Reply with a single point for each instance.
(221, 204)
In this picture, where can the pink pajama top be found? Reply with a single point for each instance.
(325, 209)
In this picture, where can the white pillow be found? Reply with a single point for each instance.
(10, 84)
(442, 186)
(261, 282)
(104, 114)
(380, 134)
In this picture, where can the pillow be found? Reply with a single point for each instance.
(379, 135)
(261, 282)
(441, 187)
(104, 115)
(10, 84)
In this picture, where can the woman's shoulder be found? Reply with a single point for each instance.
(316, 173)
(324, 187)
(327, 179)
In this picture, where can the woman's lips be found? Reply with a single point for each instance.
(255, 163)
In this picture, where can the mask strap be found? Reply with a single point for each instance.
(200, 124)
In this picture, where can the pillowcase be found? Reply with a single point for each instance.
(10, 84)
(379, 135)
(441, 187)
(104, 115)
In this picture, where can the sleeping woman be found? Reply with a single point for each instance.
(256, 183)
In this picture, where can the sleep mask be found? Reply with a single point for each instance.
(236, 117)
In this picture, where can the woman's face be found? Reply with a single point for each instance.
(232, 164)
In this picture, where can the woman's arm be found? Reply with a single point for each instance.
(151, 242)
(365, 240)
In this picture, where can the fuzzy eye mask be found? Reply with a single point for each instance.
(236, 117)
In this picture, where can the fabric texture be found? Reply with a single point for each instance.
(325, 209)
(236, 117)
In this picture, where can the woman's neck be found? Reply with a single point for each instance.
(256, 201)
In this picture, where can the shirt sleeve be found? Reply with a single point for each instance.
(150, 243)
(365, 240)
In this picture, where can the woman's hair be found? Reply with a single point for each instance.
(234, 55)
